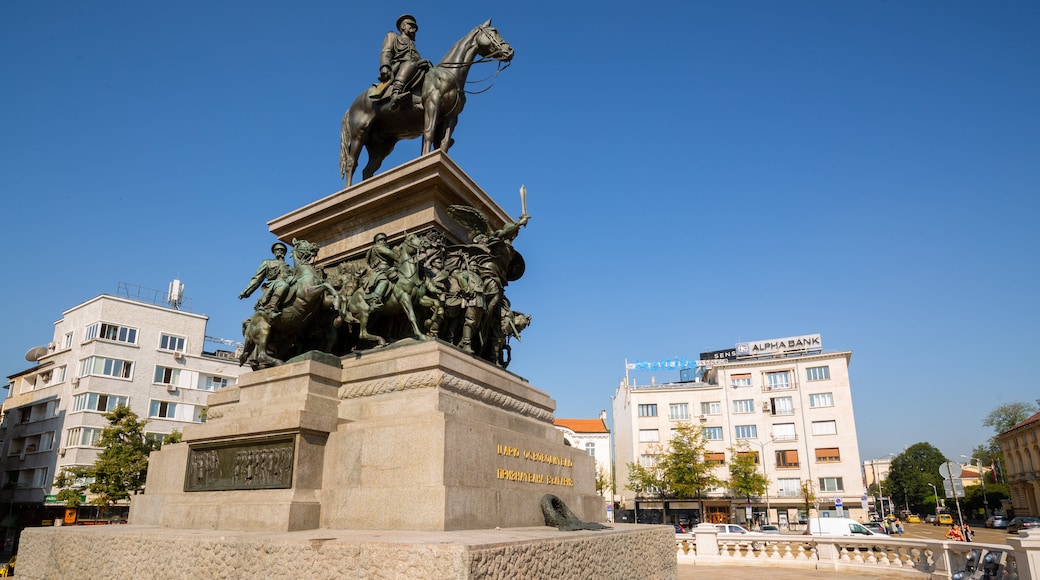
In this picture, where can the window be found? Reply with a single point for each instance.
(817, 373)
(39, 477)
(787, 458)
(751, 454)
(831, 484)
(82, 437)
(648, 460)
(821, 400)
(747, 431)
(214, 383)
(824, 428)
(167, 376)
(112, 367)
(67, 341)
(713, 408)
(712, 433)
(163, 409)
(741, 380)
(170, 342)
(58, 376)
(114, 332)
(789, 487)
(778, 380)
(649, 436)
(678, 411)
(782, 405)
(715, 458)
(97, 402)
(590, 448)
(647, 410)
(784, 432)
(743, 406)
(827, 455)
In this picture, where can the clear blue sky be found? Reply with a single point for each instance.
(699, 174)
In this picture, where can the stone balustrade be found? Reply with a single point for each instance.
(1019, 558)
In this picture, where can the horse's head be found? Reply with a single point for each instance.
(490, 43)
(303, 252)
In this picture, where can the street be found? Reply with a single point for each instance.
(930, 532)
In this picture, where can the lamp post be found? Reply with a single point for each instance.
(762, 458)
(881, 494)
(982, 475)
(932, 485)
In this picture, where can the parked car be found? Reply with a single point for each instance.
(913, 519)
(875, 527)
(944, 520)
(997, 522)
(731, 529)
(837, 527)
(770, 529)
(930, 519)
(1021, 523)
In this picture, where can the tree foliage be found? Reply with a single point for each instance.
(745, 476)
(1006, 416)
(120, 467)
(685, 472)
(910, 474)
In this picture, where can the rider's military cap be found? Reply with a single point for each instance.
(279, 245)
(405, 17)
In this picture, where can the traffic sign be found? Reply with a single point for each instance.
(954, 487)
(950, 470)
(837, 502)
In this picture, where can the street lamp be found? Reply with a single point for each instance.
(936, 499)
(982, 474)
(881, 494)
(762, 459)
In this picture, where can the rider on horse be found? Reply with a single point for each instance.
(400, 62)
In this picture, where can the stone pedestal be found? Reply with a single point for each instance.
(416, 436)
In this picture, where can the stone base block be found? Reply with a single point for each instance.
(130, 551)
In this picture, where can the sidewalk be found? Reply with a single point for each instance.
(699, 572)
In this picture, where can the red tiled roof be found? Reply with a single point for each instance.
(1035, 417)
(582, 425)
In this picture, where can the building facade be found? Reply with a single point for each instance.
(593, 436)
(791, 410)
(107, 351)
(1021, 447)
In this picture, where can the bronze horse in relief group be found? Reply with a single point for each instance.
(377, 127)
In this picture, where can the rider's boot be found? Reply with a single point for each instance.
(398, 93)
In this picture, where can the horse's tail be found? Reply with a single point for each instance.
(344, 143)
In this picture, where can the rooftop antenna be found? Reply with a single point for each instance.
(175, 294)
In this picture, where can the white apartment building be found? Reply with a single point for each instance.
(593, 436)
(106, 351)
(786, 399)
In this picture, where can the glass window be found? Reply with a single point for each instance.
(831, 484)
(752, 454)
(97, 402)
(59, 375)
(213, 383)
(163, 409)
(647, 410)
(741, 380)
(167, 376)
(743, 406)
(824, 428)
(827, 455)
(713, 433)
(817, 373)
(114, 332)
(789, 486)
(171, 342)
(590, 448)
(111, 367)
(678, 411)
(648, 460)
(778, 380)
(747, 431)
(715, 458)
(821, 400)
(82, 437)
(649, 436)
(782, 405)
(787, 458)
(712, 408)
(784, 432)
(67, 341)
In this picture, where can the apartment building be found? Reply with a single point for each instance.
(107, 351)
(1021, 447)
(784, 401)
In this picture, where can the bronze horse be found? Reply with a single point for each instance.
(378, 128)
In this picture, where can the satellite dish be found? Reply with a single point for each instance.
(36, 353)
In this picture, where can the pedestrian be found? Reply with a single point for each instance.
(966, 532)
(899, 526)
(955, 533)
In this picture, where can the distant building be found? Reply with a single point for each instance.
(107, 351)
(789, 408)
(1021, 447)
(592, 436)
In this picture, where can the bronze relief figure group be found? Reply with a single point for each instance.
(420, 287)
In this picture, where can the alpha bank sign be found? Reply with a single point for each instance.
(780, 346)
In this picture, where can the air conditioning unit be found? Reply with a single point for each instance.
(75, 381)
(61, 452)
(766, 407)
(171, 388)
(178, 355)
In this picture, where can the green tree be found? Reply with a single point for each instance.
(910, 474)
(1006, 416)
(646, 480)
(602, 481)
(684, 471)
(120, 467)
(745, 477)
